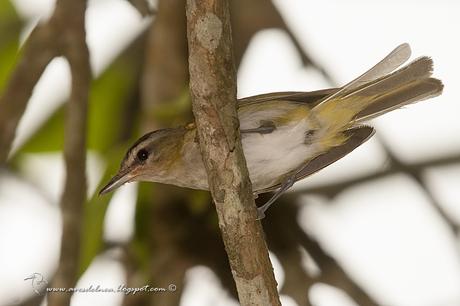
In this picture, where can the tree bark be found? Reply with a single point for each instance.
(213, 90)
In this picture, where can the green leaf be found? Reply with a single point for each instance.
(8, 54)
(10, 26)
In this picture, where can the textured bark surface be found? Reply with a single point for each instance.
(213, 90)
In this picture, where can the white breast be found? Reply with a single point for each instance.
(271, 156)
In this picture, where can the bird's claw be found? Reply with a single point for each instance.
(285, 186)
(260, 213)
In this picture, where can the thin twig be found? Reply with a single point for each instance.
(416, 174)
(246, 25)
(332, 273)
(331, 190)
(213, 89)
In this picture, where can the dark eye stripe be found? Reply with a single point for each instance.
(142, 154)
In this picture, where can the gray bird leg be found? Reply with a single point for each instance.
(284, 186)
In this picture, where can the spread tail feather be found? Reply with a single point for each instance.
(409, 84)
(412, 92)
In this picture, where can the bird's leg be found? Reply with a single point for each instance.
(284, 186)
(266, 127)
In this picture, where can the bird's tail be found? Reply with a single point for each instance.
(409, 84)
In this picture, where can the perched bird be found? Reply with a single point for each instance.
(287, 136)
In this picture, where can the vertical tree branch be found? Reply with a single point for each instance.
(64, 34)
(72, 15)
(165, 78)
(213, 89)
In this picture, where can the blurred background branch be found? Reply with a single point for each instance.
(69, 24)
(333, 189)
(64, 34)
(286, 239)
(39, 49)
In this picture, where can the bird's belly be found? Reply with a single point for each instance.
(271, 156)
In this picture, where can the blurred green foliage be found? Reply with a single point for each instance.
(10, 26)
(8, 53)
(94, 214)
(141, 240)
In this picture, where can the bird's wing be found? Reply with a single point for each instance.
(392, 61)
(310, 98)
(356, 137)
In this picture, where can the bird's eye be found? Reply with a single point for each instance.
(142, 155)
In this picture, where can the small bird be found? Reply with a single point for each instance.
(287, 136)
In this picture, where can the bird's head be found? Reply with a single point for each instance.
(149, 158)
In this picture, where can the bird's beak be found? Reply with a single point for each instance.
(119, 179)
